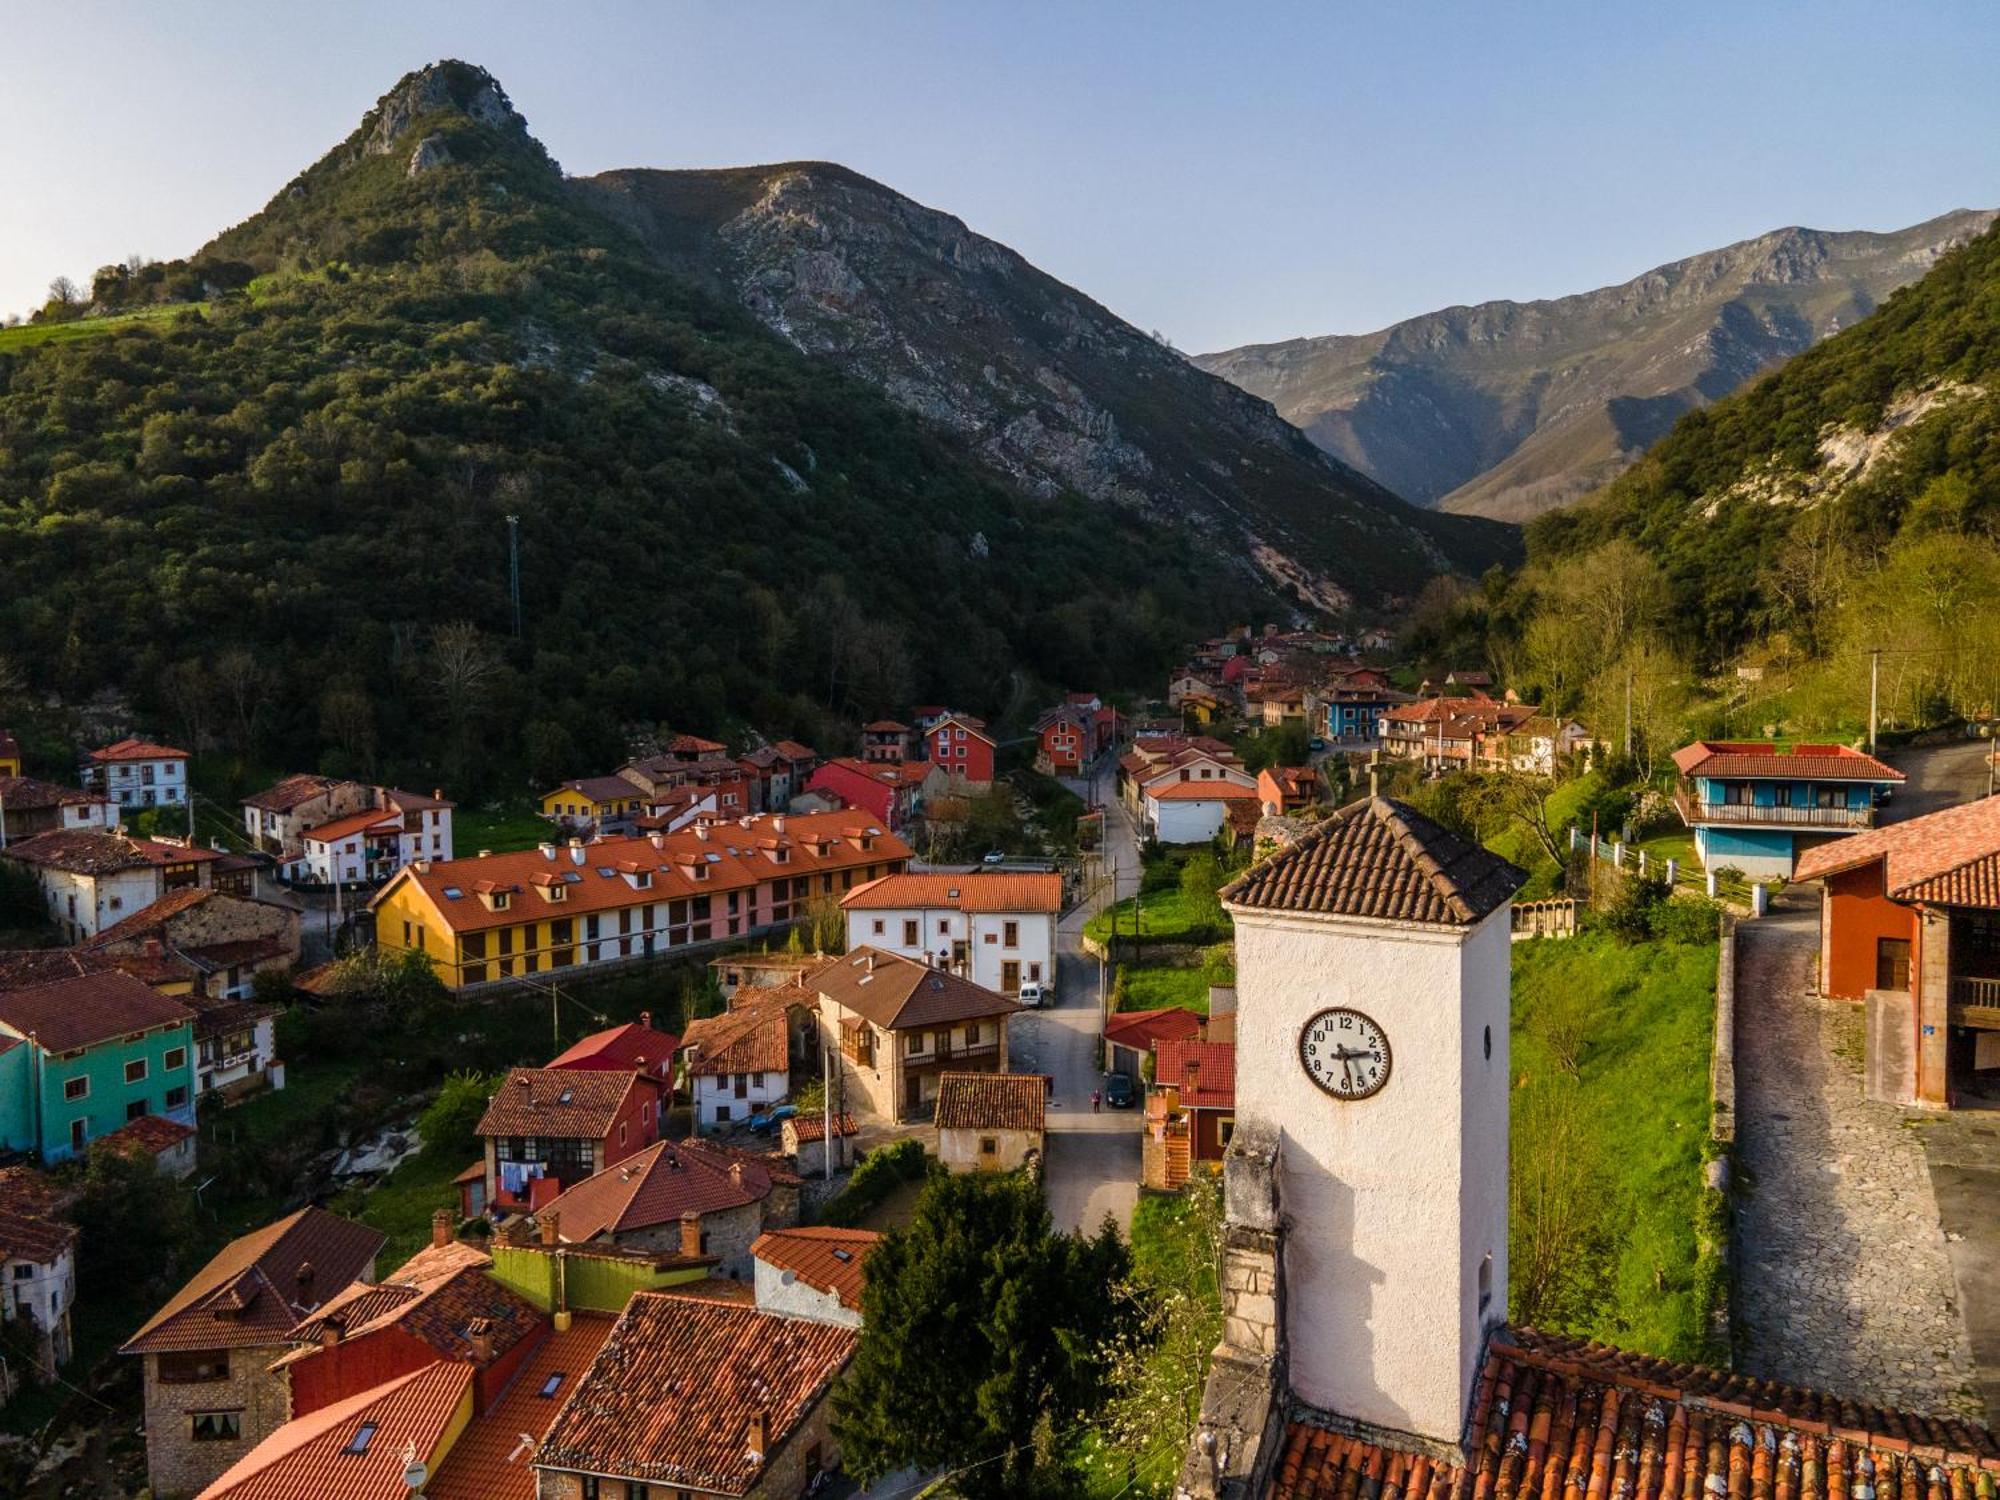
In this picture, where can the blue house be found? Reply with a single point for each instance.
(1355, 708)
(1755, 806)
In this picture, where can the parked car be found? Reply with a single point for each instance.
(1118, 1092)
(994, 857)
(770, 1119)
(1316, 746)
(1034, 995)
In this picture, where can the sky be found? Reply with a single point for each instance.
(1224, 173)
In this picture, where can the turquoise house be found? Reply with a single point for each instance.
(1755, 805)
(85, 1055)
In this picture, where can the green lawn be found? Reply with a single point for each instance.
(401, 1204)
(513, 826)
(1164, 915)
(1158, 987)
(1610, 1125)
(28, 335)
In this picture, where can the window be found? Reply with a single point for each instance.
(177, 1096)
(135, 1110)
(590, 1487)
(193, 1366)
(910, 938)
(722, 1114)
(174, 1059)
(988, 1146)
(972, 1034)
(913, 1044)
(135, 1071)
(215, 1426)
(1010, 934)
(79, 1133)
(1892, 963)
(23, 1271)
(76, 1088)
(363, 1436)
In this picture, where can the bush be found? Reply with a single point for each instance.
(1687, 919)
(451, 1122)
(879, 1174)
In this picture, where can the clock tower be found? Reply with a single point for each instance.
(1372, 967)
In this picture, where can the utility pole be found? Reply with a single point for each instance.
(1628, 714)
(826, 1105)
(1874, 681)
(514, 570)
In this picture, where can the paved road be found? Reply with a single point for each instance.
(1940, 776)
(1093, 1161)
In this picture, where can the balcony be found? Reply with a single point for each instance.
(952, 1053)
(1975, 1001)
(1749, 815)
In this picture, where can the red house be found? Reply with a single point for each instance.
(547, 1128)
(889, 791)
(1910, 924)
(885, 740)
(962, 748)
(634, 1047)
(1190, 1109)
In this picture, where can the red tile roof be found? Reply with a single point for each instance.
(434, 1296)
(153, 1134)
(250, 1293)
(66, 1014)
(22, 967)
(133, 749)
(22, 794)
(630, 1046)
(1949, 858)
(671, 1396)
(1555, 1415)
(898, 993)
(992, 1101)
(1203, 1072)
(978, 890)
(751, 1037)
(1142, 1029)
(334, 831)
(490, 1460)
(150, 918)
(1762, 759)
(565, 1102)
(885, 726)
(1378, 858)
(603, 788)
(96, 851)
(656, 1186)
(810, 1126)
(283, 796)
(1202, 791)
(831, 1259)
(33, 1216)
(308, 1458)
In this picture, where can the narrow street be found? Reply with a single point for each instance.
(1093, 1159)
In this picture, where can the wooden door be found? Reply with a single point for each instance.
(1892, 963)
(1010, 976)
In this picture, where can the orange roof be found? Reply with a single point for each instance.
(755, 1037)
(490, 1460)
(434, 1296)
(676, 1386)
(1203, 1072)
(149, 1133)
(736, 857)
(898, 993)
(340, 828)
(977, 890)
(98, 851)
(992, 1101)
(131, 749)
(1948, 858)
(314, 1456)
(1761, 758)
(830, 1259)
(66, 1014)
(1202, 791)
(656, 1186)
(1140, 1029)
(572, 1103)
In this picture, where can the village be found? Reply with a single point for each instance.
(777, 985)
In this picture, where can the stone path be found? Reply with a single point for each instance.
(1843, 1281)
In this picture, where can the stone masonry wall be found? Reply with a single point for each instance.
(178, 1466)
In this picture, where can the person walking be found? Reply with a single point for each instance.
(1096, 1100)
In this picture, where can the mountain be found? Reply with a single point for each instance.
(263, 498)
(1045, 385)
(1510, 409)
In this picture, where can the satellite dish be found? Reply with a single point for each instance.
(416, 1474)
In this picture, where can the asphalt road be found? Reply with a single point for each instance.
(1939, 776)
(1093, 1159)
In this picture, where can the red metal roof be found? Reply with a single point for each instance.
(831, 1259)
(632, 1046)
(1142, 1029)
(1760, 759)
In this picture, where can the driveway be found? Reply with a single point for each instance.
(1940, 776)
(1093, 1159)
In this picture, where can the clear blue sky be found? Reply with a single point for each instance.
(1223, 172)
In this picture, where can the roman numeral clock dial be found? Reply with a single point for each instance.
(1345, 1053)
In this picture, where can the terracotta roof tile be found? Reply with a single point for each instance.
(566, 1102)
(671, 1396)
(603, 788)
(1202, 791)
(1378, 858)
(66, 1014)
(810, 1126)
(1203, 1072)
(656, 1186)
(21, 968)
(898, 993)
(152, 1134)
(831, 1259)
(248, 1294)
(334, 831)
(992, 1101)
(97, 851)
(754, 1037)
(979, 890)
(149, 919)
(490, 1461)
(434, 1296)
(1753, 759)
(1141, 1029)
(308, 1458)
(283, 796)
(135, 749)
(26, 793)
(1556, 1415)
(1950, 857)
(34, 1212)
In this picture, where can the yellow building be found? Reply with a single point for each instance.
(558, 906)
(10, 755)
(592, 799)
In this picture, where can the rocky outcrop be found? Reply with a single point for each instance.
(1511, 408)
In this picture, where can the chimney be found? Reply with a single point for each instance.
(302, 1285)
(549, 1222)
(691, 1234)
(437, 793)
(440, 1228)
(479, 1332)
(330, 1331)
(646, 1019)
(871, 963)
(778, 823)
(657, 840)
(423, 866)
(701, 831)
(548, 850)
(576, 851)
(736, 1173)
(758, 1440)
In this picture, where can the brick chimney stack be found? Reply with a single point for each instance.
(302, 1287)
(330, 1331)
(550, 1223)
(691, 1234)
(479, 1333)
(441, 1228)
(758, 1440)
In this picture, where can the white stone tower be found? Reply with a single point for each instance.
(1372, 989)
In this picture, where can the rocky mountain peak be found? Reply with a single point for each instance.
(419, 115)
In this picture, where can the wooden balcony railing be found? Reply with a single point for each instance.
(1747, 814)
(1975, 1001)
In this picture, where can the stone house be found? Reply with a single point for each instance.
(901, 1025)
(805, 1141)
(29, 806)
(991, 1122)
(211, 1395)
(37, 1264)
(92, 878)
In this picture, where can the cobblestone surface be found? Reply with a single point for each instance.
(1843, 1281)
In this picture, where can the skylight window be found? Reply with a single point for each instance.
(570, 877)
(606, 871)
(363, 1436)
(452, 893)
(566, 1097)
(551, 1385)
(843, 1255)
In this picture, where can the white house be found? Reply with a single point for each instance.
(739, 1063)
(998, 928)
(138, 773)
(93, 878)
(1191, 812)
(814, 1273)
(37, 1263)
(372, 845)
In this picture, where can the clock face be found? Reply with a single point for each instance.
(1345, 1053)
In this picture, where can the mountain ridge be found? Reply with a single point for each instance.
(1510, 408)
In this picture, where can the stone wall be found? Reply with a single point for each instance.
(177, 1465)
(726, 1234)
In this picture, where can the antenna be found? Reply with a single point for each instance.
(514, 570)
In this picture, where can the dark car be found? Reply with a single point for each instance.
(1118, 1091)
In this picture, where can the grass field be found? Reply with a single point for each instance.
(1159, 986)
(1165, 916)
(1611, 1118)
(511, 826)
(28, 335)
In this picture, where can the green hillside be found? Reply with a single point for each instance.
(277, 521)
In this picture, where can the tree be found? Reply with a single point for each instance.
(450, 1123)
(242, 682)
(1201, 878)
(826, 924)
(65, 292)
(982, 1326)
(136, 1225)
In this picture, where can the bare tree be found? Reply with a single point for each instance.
(242, 682)
(65, 291)
(347, 719)
(190, 693)
(466, 665)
